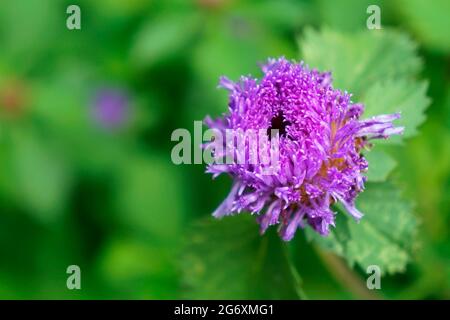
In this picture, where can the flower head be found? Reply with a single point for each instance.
(320, 142)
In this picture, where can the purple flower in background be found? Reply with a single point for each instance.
(320, 142)
(111, 107)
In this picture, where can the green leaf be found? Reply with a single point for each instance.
(41, 25)
(380, 165)
(163, 36)
(220, 52)
(359, 60)
(429, 20)
(383, 237)
(41, 177)
(148, 197)
(379, 67)
(228, 259)
(346, 15)
(145, 270)
(401, 95)
(278, 15)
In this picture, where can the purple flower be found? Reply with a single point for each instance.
(111, 107)
(320, 142)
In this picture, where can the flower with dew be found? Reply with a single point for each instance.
(320, 141)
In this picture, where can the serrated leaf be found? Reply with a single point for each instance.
(380, 165)
(375, 249)
(359, 60)
(384, 236)
(336, 240)
(378, 67)
(228, 259)
(400, 95)
(389, 212)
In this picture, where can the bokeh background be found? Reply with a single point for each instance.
(85, 122)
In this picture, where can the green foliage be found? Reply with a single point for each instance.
(160, 213)
(380, 164)
(399, 95)
(136, 266)
(32, 28)
(36, 162)
(359, 60)
(385, 236)
(228, 259)
(163, 37)
(219, 53)
(281, 15)
(429, 20)
(331, 13)
(30, 160)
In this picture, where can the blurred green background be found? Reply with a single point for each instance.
(85, 122)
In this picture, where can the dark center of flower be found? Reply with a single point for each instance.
(278, 123)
